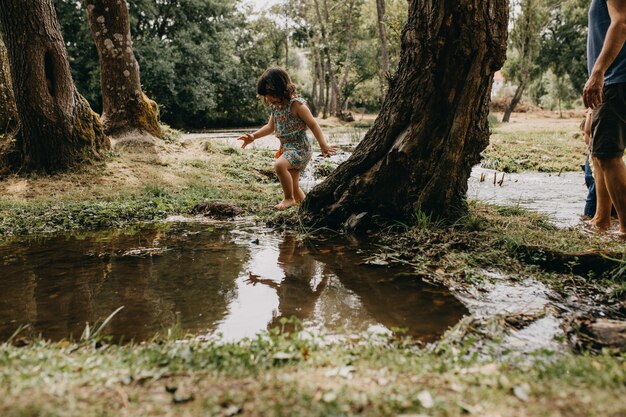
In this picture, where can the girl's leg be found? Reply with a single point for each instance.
(298, 194)
(282, 167)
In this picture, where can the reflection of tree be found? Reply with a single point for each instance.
(50, 288)
(17, 306)
(58, 284)
(191, 281)
(394, 300)
(296, 296)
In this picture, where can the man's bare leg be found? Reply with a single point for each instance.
(614, 171)
(602, 219)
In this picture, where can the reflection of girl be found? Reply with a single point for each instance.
(296, 297)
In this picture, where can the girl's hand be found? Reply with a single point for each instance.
(328, 150)
(247, 139)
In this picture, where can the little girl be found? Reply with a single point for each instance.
(289, 119)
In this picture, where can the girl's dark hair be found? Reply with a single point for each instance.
(275, 82)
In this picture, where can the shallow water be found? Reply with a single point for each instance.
(209, 279)
(561, 197)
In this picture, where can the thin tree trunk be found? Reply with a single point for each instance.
(125, 107)
(382, 33)
(58, 129)
(433, 124)
(341, 100)
(514, 101)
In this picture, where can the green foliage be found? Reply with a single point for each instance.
(196, 57)
(564, 42)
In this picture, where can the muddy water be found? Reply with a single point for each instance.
(209, 279)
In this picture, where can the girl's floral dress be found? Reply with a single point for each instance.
(295, 146)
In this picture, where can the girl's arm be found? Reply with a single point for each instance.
(304, 113)
(268, 129)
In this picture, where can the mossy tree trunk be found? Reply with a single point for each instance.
(9, 155)
(8, 112)
(125, 107)
(432, 127)
(57, 129)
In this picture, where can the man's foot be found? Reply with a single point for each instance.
(285, 204)
(620, 235)
(600, 224)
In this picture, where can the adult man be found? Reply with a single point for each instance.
(605, 92)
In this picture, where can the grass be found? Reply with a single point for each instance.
(545, 146)
(285, 375)
(131, 188)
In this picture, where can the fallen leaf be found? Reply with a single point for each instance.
(425, 399)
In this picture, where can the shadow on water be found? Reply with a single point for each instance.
(209, 279)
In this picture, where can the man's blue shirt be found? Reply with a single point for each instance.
(599, 21)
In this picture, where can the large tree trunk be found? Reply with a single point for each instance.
(58, 129)
(514, 101)
(8, 112)
(125, 107)
(9, 154)
(433, 124)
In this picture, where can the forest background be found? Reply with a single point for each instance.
(200, 59)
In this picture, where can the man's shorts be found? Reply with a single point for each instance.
(608, 125)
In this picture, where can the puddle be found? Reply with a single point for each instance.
(209, 279)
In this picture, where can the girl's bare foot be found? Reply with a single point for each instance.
(300, 196)
(285, 204)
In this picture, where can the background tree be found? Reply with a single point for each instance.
(58, 129)
(433, 123)
(564, 43)
(198, 58)
(524, 47)
(125, 106)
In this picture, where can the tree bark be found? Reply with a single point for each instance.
(433, 124)
(514, 101)
(9, 122)
(382, 33)
(125, 107)
(58, 129)
(8, 112)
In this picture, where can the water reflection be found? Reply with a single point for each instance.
(209, 279)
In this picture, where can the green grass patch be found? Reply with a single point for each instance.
(283, 375)
(546, 148)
